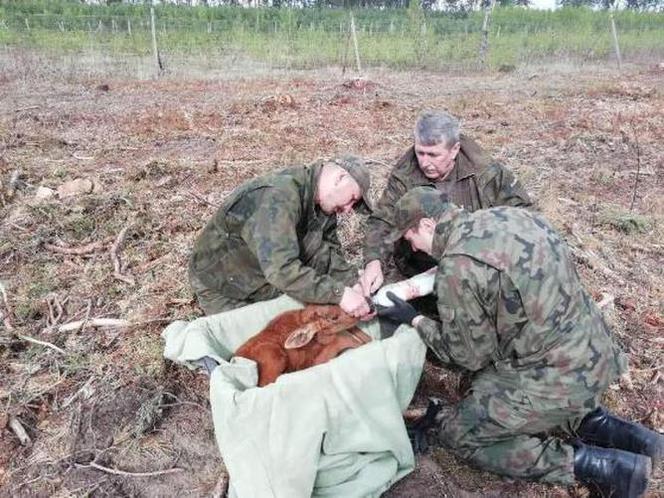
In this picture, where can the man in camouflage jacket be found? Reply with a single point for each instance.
(454, 164)
(278, 234)
(513, 311)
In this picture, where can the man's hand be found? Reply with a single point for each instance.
(354, 303)
(401, 312)
(372, 277)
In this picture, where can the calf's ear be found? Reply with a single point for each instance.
(301, 336)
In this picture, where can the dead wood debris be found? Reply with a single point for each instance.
(115, 257)
(17, 428)
(117, 472)
(6, 314)
(94, 322)
(80, 250)
(12, 185)
(41, 343)
(55, 310)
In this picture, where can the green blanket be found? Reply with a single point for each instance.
(331, 430)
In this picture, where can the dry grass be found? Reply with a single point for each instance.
(164, 153)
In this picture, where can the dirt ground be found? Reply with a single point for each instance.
(155, 158)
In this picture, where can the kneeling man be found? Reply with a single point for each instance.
(513, 311)
(278, 234)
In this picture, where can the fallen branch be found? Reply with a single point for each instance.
(17, 428)
(82, 158)
(94, 322)
(129, 474)
(41, 343)
(202, 199)
(21, 109)
(53, 302)
(6, 315)
(80, 250)
(13, 184)
(149, 265)
(115, 257)
(83, 390)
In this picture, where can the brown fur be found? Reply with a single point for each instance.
(335, 332)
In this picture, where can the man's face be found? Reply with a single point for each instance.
(340, 193)
(421, 235)
(436, 161)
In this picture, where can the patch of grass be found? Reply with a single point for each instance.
(147, 356)
(308, 38)
(75, 362)
(625, 221)
(603, 176)
(80, 225)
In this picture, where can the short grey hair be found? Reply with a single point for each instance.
(435, 127)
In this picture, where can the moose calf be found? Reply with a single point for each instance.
(300, 339)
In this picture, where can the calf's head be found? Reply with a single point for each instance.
(322, 322)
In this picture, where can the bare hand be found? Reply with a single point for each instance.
(354, 303)
(371, 278)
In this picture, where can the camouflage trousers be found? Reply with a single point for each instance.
(213, 300)
(508, 432)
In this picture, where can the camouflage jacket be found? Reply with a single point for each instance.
(476, 182)
(511, 303)
(267, 237)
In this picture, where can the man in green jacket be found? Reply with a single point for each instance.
(449, 161)
(278, 234)
(513, 311)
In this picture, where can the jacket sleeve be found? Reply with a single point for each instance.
(271, 235)
(466, 334)
(500, 187)
(380, 223)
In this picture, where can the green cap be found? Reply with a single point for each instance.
(417, 203)
(360, 173)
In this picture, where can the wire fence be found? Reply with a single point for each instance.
(288, 40)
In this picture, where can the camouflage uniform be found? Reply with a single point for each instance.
(269, 237)
(476, 182)
(513, 311)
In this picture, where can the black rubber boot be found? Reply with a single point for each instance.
(601, 428)
(418, 429)
(617, 473)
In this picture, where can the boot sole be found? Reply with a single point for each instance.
(657, 451)
(638, 483)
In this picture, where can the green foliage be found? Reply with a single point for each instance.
(308, 38)
(625, 221)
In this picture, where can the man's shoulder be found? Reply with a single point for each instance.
(407, 169)
(283, 183)
(509, 221)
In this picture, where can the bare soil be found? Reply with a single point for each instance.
(162, 154)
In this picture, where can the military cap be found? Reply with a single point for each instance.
(417, 203)
(360, 173)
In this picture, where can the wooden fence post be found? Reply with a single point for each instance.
(155, 50)
(357, 50)
(484, 46)
(616, 46)
(129, 26)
